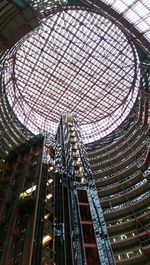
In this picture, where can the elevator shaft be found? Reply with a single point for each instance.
(81, 236)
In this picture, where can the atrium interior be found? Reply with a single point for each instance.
(89, 60)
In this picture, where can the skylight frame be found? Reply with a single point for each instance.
(27, 120)
(135, 12)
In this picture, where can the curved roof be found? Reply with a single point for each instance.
(136, 12)
(76, 61)
(17, 18)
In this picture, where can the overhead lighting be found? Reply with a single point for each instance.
(49, 196)
(82, 180)
(50, 181)
(46, 239)
(46, 216)
(50, 168)
(27, 192)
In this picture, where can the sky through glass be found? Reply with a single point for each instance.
(76, 61)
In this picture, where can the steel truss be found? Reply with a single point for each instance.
(80, 231)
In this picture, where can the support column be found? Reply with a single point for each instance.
(81, 234)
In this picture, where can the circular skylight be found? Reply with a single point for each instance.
(76, 61)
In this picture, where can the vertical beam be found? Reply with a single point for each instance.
(24, 172)
(146, 107)
(141, 108)
(85, 234)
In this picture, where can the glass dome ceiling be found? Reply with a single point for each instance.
(76, 61)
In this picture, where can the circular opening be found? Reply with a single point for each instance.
(76, 61)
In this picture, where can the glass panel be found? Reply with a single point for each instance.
(136, 12)
(76, 61)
